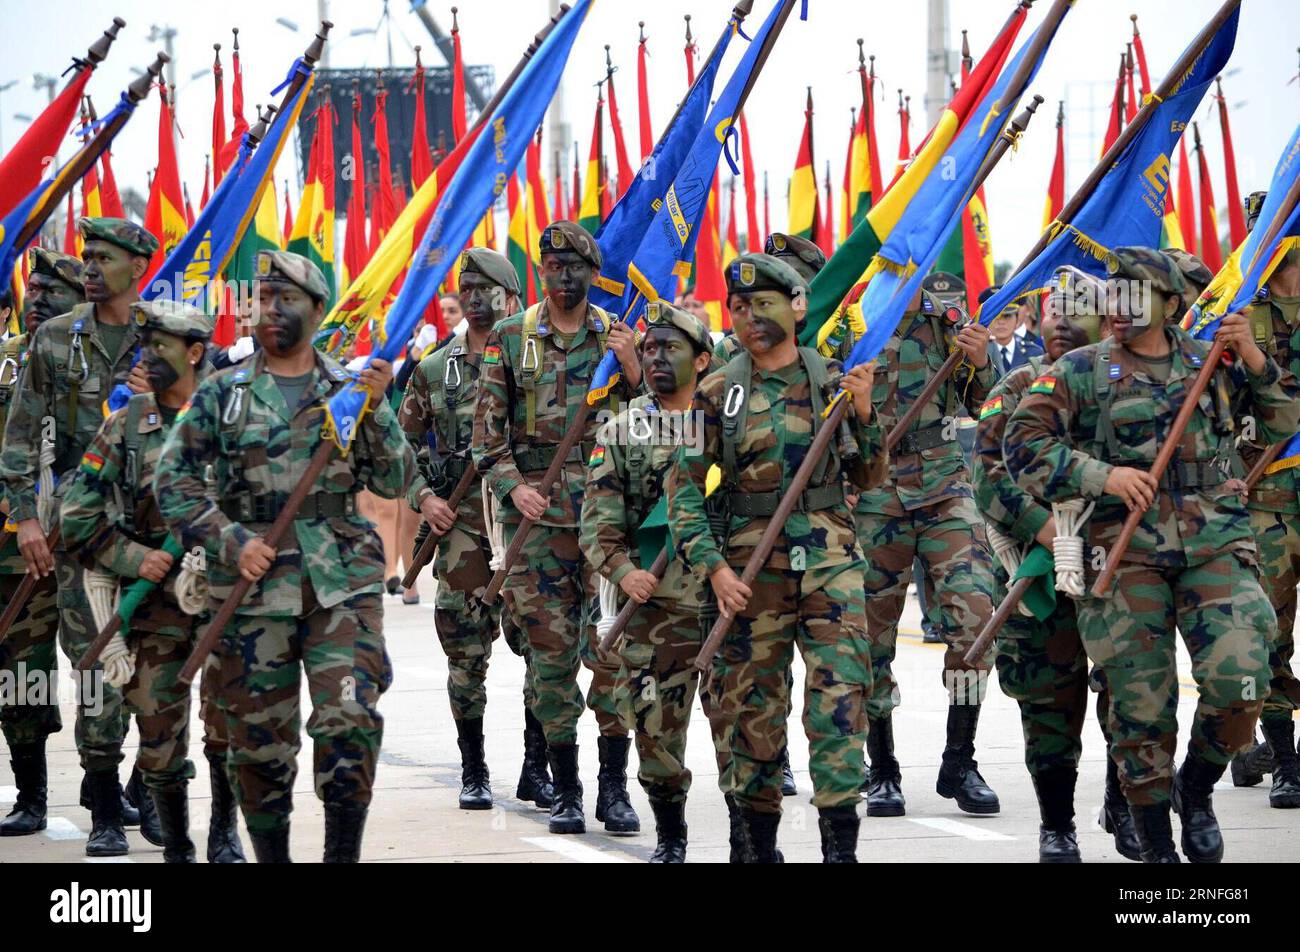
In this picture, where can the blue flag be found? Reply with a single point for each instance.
(1127, 207)
(477, 183)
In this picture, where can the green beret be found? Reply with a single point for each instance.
(492, 265)
(754, 272)
(120, 232)
(570, 236)
(948, 288)
(1254, 204)
(173, 317)
(800, 253)
(661, 313)
(1146, 264)
(58, 266)
(1193, 268)
(285, 266)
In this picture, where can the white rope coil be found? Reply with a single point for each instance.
(117, 658)
(1067, 545)
(192, 583)
(608, 607)
(46, 505)
(496, 532)
(1010, 555)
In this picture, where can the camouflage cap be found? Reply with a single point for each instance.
(1254, 204)
(570, 236)
(945, 286)
(492, 265)
(803, 255)
(1195, 271)
(285, 266)
(1086, 294)
(173, 317)
(120, 232)
(754, 272)
(659, 313)
(1146, 264)
(58, 266)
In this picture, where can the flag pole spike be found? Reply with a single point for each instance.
(690, 40)
(1060, 112)
(966, 58)
(809, 105)
(455, 23)
(235, 30)
(317, 47)
(216, 56)
(862, 56)
(418, 64)
(1129, 58)
(138, 91)
(641, 25)
(99, 49)
(1196, 137)
(1134, 18)
(90, 109)
(609, 63)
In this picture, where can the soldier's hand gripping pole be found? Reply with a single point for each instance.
(424, 555)
(657, 569)
(1175, 435)
(25, 588)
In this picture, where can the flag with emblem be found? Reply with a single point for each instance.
(313, 232)
(164, 216)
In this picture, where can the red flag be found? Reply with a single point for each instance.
(1211, 252)
(1056, 184)
(218, 113)
(384, 210)
(575, 202)
(109, 198)
(690, 55)
(421, 164)
(207, 183)
(1186, 204)
(559, 212)
(355, 246)
(805, 211)
(189, 209)
(1131, 105)
(753, 240)
(164, 217)
(25, 164)
(625, 170)
(732, 247)
(70, 232)
(767, 209)
(643, 98)
(288, 217)
(1116, 122)
(459, 122)
(877, 186)
(904, 145)
(230, 150)
(1236, 214)
(1141, 57)
(826, 230)
(710, 287)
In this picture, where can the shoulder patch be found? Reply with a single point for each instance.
(92, 463)
(991, 408)
(597, 456)
(1114, 371)
(1043, 384)
(492, 354)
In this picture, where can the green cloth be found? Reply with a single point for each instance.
(139, 590)
(1041, 597)
(652, 536)
(112, 336)
(292, 388)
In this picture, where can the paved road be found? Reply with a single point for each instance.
(415, 818)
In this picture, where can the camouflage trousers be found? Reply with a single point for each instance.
(1224, 618)
(550, 596)
(819, 610)
(948, 539)
(655, 654)
(161, 705)
(1278, 537)
(260, 664)
(466, 627)
(101, 720)
(27, 716)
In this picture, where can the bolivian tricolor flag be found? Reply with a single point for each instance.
(804, 207)
(589, 216)
(164, 216)
(313, 232)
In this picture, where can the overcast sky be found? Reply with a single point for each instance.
(822, 52)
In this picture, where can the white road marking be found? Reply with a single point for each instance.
(571, 849)
(61, 828)
(8, 794)
(957, 828)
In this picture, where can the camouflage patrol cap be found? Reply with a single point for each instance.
(120, 232)
(1146, 264)
(287, 267)
(1195, 271)
(945, 286)
(1085, 293)
(570, 236)
(754, 272)
(1254, 204)
(58, 266)
(801, 254)
(661, 313)
(173, 317)
(492, 265)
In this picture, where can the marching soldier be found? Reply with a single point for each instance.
(1274, 505)
(74, 361)
(437, 415)
(53, 288)
(925, 511)
(1041, 663)
(537, 369)
(1090, 427)
(759, 415)
(624, 484)
(118, 465)
(316, 606)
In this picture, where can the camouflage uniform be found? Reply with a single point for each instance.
(1192, 560)
(319, 606)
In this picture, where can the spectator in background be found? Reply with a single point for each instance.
(1007, 349)
(689, 302)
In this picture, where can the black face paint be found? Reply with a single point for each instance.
(667, 360)
(160, 372)
(285, 312)
(566, 278)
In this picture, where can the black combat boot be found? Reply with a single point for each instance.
(670, 831)
(760, 836)
(534, 782)
(344, 824)
(28, 814)
(1155, 833)
(1280, 734)
(1193, 786)
(223, 827)
(736, 832)
(107, 837)
(613, 807)
(173, 811)
(475, 792)
(138, 796)
(788, 787)
(959, 776)
(1116, 818)
(839, 829)
(130, 815)
(1250, 765)
(884, 783)
(1057, 840)
(566, 807)
(271, 846)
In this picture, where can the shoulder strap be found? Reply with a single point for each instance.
(818, 376)
(1102, 375)
(131, 456)
(529, 370)
(76, 354)
(236, 408)
(735, 409)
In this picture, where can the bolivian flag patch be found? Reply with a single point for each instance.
(991, 408)
(492, 355)
(92, 463)
(597, 456)
(1044, 384)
